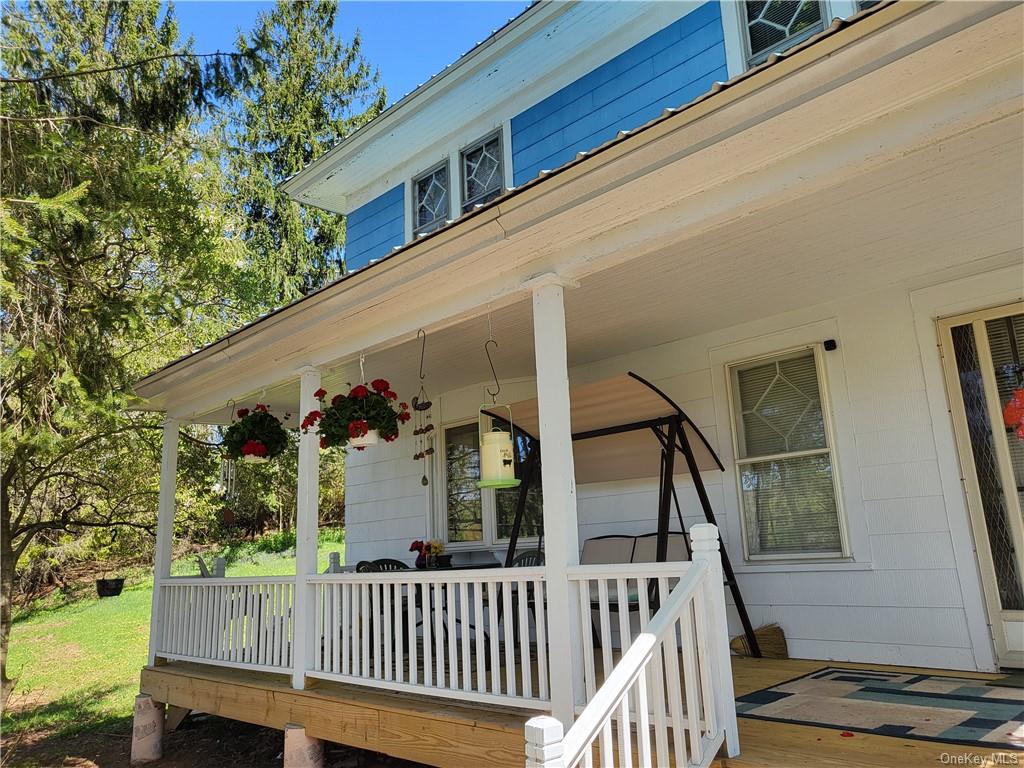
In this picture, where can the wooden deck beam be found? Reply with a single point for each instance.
(416, 728)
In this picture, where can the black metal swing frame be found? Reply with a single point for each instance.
(672, 437)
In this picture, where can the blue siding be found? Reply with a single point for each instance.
(374, 229)
(668, 69)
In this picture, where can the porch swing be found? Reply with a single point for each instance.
(617, 425)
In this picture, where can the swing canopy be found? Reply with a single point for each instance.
(615, 424)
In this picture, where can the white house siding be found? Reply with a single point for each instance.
(901, 600)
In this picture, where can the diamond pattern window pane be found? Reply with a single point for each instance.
(481, 173)
(780, 407)
(979, 430)
(776, 24)
(462, 465)
(431, 200)
(789, 502)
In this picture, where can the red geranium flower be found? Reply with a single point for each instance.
(262, 408)
(390, 438)
(359, 391)
(337, 399)
(358, 428)
(323, 442)
(404, 416)
(243, 412)
(254, 448)
(404, 406)
(320, 394)
(416, 546)
(390, 395)
(380, 385)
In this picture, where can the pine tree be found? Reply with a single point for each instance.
(312, 90)
(113, 257)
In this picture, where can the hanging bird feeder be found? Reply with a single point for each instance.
(497, 446)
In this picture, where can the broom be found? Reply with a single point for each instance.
(770, 638)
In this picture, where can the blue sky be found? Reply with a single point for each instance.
(407, 41)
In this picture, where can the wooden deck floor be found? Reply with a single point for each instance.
(444, 733)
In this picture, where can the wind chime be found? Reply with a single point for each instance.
(497, 447)
(227, 480)
(423, 426)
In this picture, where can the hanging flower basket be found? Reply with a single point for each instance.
(367, 414)
(256, 437)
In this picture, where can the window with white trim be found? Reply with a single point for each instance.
(482, 173)
(774, 25)
(431, 199)
(486, 516)
(785, 466)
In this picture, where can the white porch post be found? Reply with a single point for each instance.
(705, 545)
(164, 530)
(558, 481)
(306, 528)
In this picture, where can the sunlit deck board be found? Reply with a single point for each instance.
(420, 728)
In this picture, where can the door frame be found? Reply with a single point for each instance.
(968, 473)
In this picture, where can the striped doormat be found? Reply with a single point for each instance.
(929, 707)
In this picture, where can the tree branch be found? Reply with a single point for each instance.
(117, 67)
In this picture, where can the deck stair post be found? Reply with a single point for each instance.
(558, 481)
(147, 730)
(705, 543)
(164, 531)
(544, 742)
(306, 528)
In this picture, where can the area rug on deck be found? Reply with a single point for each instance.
(909, 706)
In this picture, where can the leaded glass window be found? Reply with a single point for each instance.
(482, 174)
(774, 25)
(784, 459)
(431, 207)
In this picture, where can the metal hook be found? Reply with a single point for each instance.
(362, 373)
(487, 351)
(423, 351)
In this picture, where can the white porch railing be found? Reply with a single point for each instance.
(232, 622)
(476, 635)
(668, 699)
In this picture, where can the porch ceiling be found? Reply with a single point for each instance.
(914, 221)
(906, 172)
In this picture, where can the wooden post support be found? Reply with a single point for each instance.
(307, 518)
(147, 730)
(301, 751)
(705, 543)
(544, 743)
(164, 530)
(558, 481)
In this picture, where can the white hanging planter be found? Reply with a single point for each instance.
(251, 459)
(372, 437)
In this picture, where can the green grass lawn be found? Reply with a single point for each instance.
(77, 664)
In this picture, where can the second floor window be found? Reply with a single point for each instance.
(430, 199)
(777, 24)
(482, 172)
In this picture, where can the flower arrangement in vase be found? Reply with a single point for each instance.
(256, 437)
(365, 415)
(429, 552)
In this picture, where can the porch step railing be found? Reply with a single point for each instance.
(475, 635)
(668, 699)
(231, 622)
